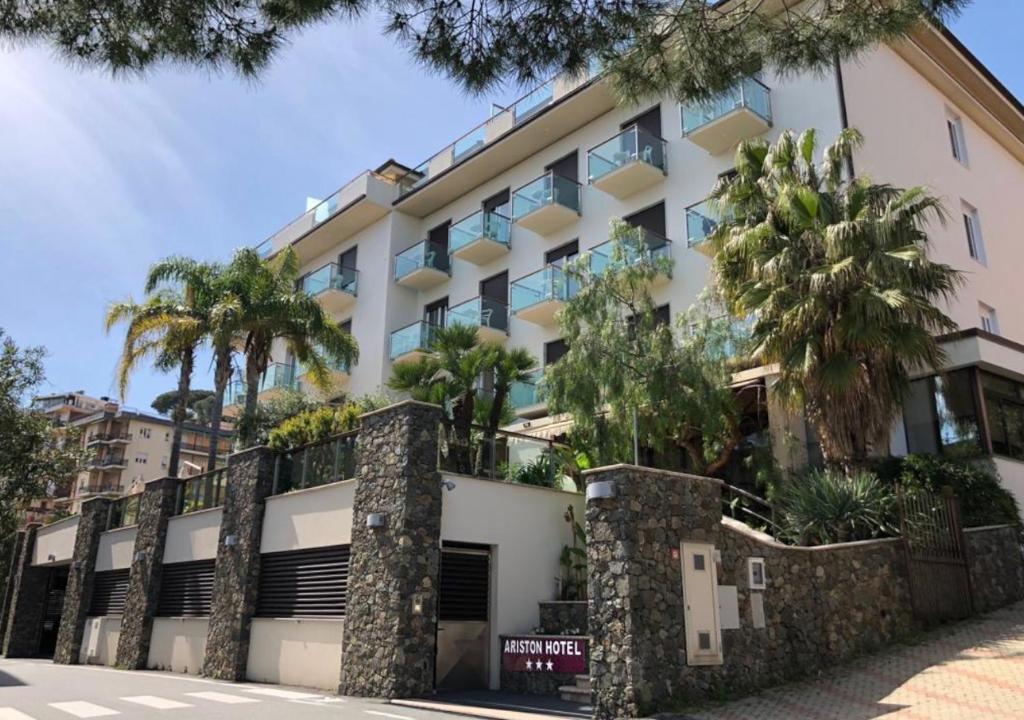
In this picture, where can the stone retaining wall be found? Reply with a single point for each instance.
(562, 617)
(996, 563)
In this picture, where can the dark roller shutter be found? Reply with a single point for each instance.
(109, 590)
(304, 583)
(465, 585)
(186, 589)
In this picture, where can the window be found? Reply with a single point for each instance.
(554, 350)
(144, 432)
(141, 458)
(957, 143)
(436, 312)
(1004, 408)
(941, 415)
(562, 256)
(989, 321)
(972, 228)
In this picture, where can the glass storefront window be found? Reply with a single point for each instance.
(940, 415)
(1004, 410)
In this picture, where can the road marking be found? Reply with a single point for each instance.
(9, 713)
(82, 709)
(152, 701)
(283, 694)
(387, 715)
(223, 697)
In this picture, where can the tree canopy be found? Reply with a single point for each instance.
(196, 403)
(693, 48)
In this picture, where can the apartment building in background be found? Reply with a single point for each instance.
(130, 447)
(479, 233)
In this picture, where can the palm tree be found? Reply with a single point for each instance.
(168, 329)
(508, 367)
(218, 309)
(269, 308)
(836, 275)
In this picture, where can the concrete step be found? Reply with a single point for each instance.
(574, 694)
(583, 682)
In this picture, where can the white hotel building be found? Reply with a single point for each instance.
(477, 232)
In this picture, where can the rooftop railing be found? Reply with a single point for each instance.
(202, 492)
(749, 93)
(316, 464)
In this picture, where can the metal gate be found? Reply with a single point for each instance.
(53, 606)
(463, 629)
(940, 583)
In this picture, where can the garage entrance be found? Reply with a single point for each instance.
(463, 630)
(53, 606)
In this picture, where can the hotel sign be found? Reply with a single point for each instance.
(539, 653)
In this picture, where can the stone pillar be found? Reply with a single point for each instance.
(155, 509)
(391, 617)
(26, 612)
(637, 635)
(91, 524)
(250, 478)
(10, 569)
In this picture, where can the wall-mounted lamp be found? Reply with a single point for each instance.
(417, 604)
(230, 540)
(375, 520)
(601, 490)
(51, 558)
(448, 485)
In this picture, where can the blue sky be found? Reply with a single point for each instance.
(100, 177)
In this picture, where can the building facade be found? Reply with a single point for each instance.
(478, 233)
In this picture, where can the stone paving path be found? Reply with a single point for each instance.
(970, 671)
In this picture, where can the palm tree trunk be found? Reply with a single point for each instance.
(247, 427)
(188, 359)
(221, 378)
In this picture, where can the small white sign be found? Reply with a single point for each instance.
(728, 607)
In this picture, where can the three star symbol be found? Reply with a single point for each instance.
(540, 665)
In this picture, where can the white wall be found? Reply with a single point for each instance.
(301, 652)
(193, 536)
(116, 549)
(1011, 472)
(526, 541)
(57, 540)
(178, 644)
(316, 517)
(106, 643)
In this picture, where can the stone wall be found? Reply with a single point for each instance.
(78, 594)
(26, 611)
(236, 579)
(155, 509)
(560, 617)
(996, 563)
(391, 618)
(10, 569)
(822, 605)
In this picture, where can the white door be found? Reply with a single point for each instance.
(700, 598)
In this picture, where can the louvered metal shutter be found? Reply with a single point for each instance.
(304, 583)
(186, 589)
(109, 590)
(465, 585)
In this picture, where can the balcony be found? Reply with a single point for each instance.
(333, 286)
(339, 371)
(234, 393)
(114, 461)
(528, 399)
(701, 221)
(546, 204)
(277, 378)
(632, 161)
(423, 266)
(738, 114)
(412, 342)
(119, 437)
(639, 246)
(539, 296)
(480, 238)
(488, 316)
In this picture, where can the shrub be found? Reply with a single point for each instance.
(828, 507)
(983, 500)
(320, 423)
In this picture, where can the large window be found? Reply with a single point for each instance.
(1004, 410)
(941, 415)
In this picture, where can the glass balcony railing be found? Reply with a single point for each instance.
(548, 189)
(640, 245)
(749, 93)
(700, 222)
(533, 102)
(333, 364)
(480, 224)
(468, 143)
(548, 283)
(527, 393)
(423, 254)
(278, 376)
(482, 312)
(234, 394)
(632, 144)
(332, 277)
(412, 338)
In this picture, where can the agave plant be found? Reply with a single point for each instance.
(827, 506)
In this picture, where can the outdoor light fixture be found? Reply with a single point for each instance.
(448, 485)
(601, 490)
(51, 558)
(375, 520)
(230, 540)
(417, 604)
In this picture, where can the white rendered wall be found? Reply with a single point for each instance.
(116, 549)
(317, 517)
(106, 645)
(56, 540)
(178, 644)
(193, 536)
(301, 652)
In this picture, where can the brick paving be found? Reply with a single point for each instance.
(972, 670)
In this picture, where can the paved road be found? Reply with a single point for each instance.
(973, 671)
(40, 690)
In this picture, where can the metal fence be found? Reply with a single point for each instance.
(504, 456)
(124, 511)
(750, 509)
(317, 463)
(201, 492)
